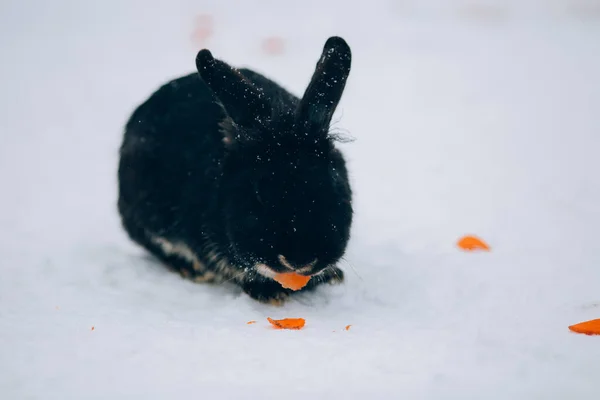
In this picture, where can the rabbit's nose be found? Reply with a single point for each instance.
(304, 268)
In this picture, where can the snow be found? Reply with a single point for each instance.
(465, 122)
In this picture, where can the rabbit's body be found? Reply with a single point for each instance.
(216, 182)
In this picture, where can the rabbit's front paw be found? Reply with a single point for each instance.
(269, 292)
(197, 273)
(331, 275)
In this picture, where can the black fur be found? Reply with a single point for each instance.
(240, 171)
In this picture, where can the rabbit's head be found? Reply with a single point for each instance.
(284, 194)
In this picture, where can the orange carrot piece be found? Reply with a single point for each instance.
(471, 243)
(348, 327)
(292, 280)
(250, 322)
(287, 323)
(587, 328)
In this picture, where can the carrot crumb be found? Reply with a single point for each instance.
(587, 328)
(250, 322)
(471, 243)
(292, 280)
(273, 45)
(348, 327)
(287, 323)
(93, 328)
(203, 29)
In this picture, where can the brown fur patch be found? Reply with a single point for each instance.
(226, 127)
(215, 268)
(278, 301)
(184, 273)
(206, 277)
(178, 249)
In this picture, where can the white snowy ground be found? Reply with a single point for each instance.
(466, 120)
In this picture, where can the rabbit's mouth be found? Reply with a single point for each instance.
(265, 271)
(285, 266)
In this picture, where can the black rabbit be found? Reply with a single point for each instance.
(226, 176)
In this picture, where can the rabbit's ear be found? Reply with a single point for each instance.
(246, 104)
(327, 84)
